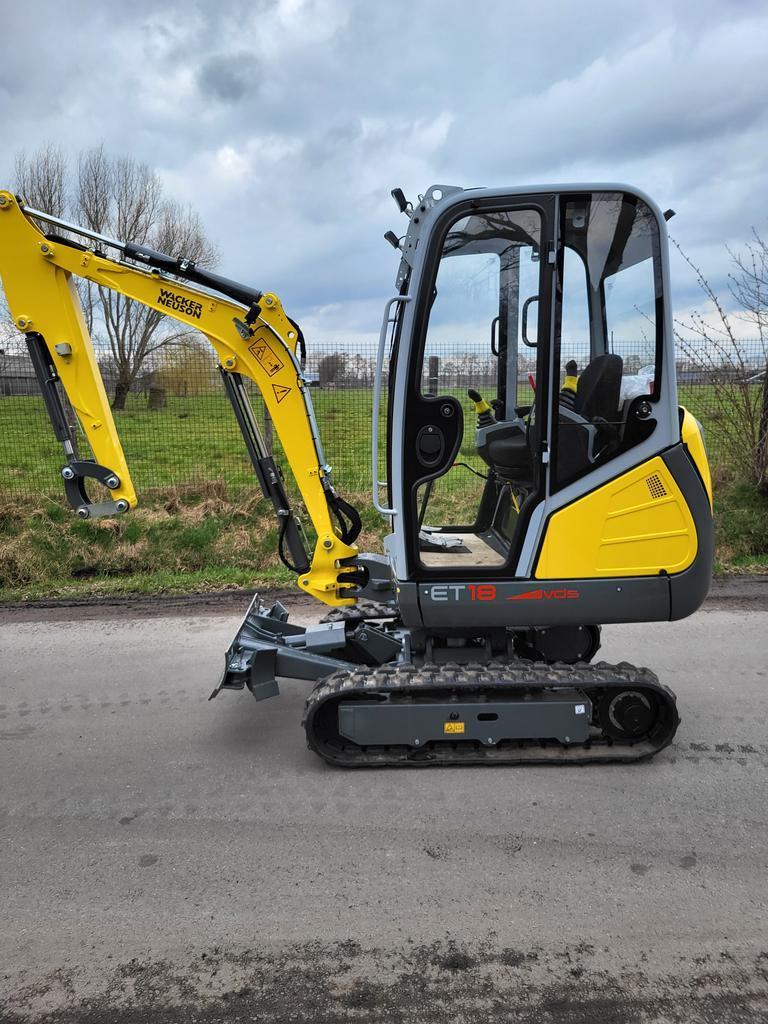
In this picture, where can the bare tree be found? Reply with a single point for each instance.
(124, 199)
(711, 345)
(42, 179)
(121, 198)
(749, 286)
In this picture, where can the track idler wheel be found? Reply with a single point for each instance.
(628, 715)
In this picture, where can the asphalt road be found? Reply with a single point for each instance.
(169, 859)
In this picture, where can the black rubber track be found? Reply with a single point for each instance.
(496, 681)
(361, 612)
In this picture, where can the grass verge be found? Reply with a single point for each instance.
(741, 527)
(177, 542)
(186, 541)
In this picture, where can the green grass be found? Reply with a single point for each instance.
(173, 543)
(201, 523)
(192, 440)
(182, 544)
(216, 578)
(196, 440)
(741, 528)
(168, 546)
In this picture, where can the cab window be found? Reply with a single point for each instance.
(482, 338)
(609, 332)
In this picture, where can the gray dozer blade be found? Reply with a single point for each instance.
(266, 646)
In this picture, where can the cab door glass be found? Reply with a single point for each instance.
(630, 314)
(608, 346)
(482, 337)
(465, 305)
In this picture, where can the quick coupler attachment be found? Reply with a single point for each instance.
(75, 474)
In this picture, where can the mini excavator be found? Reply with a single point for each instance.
(465, 642)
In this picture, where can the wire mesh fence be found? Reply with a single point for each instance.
(178, 430)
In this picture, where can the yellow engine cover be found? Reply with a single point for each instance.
(636, 525)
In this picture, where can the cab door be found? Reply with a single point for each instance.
(612, 508)
(480, 317)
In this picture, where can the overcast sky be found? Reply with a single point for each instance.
(285, 123)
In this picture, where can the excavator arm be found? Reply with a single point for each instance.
(252, 337)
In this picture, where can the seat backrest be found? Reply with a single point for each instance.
(599, 388)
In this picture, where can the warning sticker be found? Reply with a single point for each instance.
(280, 392)
(266, 356)
(453, 727)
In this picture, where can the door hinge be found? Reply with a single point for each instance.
(551, 254)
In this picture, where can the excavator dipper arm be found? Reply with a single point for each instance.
(252, 337)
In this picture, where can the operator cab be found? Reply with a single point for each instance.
(524, 322)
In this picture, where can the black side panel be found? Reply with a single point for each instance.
(435, 431)
(408, 604)
(689, 588)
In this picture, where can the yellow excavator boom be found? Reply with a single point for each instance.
(254, 339)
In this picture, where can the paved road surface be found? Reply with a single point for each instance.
(167, 859)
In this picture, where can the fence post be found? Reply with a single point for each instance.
(157, 398)
(433, 374)
(267, 430)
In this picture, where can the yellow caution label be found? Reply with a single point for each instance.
(453, 727)
(265, 353)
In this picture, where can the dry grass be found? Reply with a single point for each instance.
(183, 539)
(193, 539)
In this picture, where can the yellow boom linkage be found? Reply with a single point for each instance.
(37, 271)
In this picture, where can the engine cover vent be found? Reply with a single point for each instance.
(655, 486)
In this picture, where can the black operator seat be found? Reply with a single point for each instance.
(587, 429)
(600, 388)
(586, 418)
(502, 444)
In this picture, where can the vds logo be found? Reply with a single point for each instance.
(561, 594)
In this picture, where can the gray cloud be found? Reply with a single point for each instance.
(285, 123)
(228, 77)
